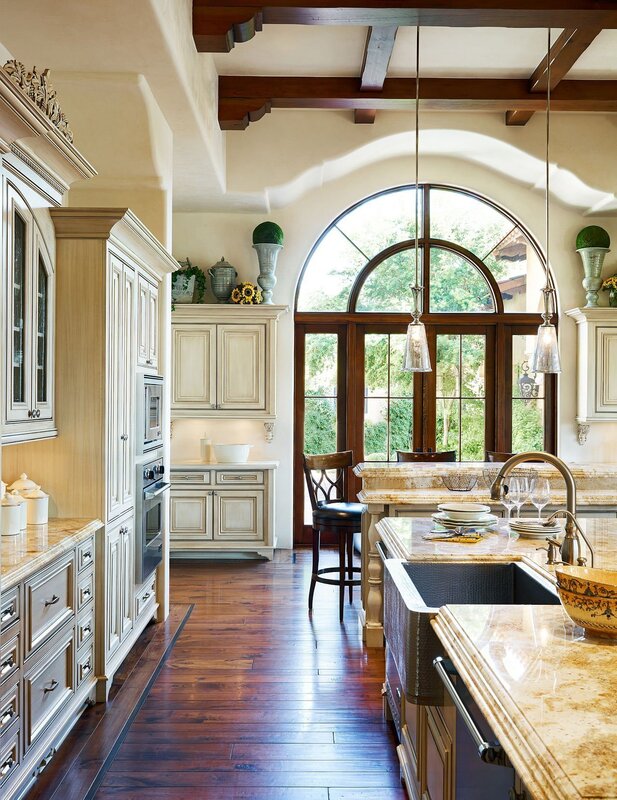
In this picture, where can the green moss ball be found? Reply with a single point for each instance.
(268, 233)
(593, 236)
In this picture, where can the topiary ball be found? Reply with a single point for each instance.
(593, 236)
(268, 233)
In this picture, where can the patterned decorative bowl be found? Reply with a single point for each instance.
(589, 597)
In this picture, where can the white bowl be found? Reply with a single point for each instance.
(464, 512)
(232, 453)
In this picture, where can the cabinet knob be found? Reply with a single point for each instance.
(30, 414)
(38, 413)
(124, 437)
(149, 362)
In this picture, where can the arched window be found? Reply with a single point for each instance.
(482, 273)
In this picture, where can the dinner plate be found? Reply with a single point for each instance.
(536, 531)
(486, 521)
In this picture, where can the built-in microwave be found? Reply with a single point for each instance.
(151, 412)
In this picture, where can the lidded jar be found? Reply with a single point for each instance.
(23, 484)
(21, 502)
(37, 504)
(10, 515)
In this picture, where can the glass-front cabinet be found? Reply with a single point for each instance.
(29, 285)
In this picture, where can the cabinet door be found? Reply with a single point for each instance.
(241, 367)
(127, 382)
(127, 579)
(239, 516)
(606, 374)
(115, 372)
(438, 771)
(143, 307)
(42, 332)
(19, 225)
(113, 588)
(194, 367)
(191, 517)
(153, 327)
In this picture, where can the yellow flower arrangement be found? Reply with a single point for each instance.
(610, 283)
(246, 294)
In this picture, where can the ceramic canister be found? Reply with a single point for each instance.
(10, 516)
(37, 503)
(23, 484)
(23, 512)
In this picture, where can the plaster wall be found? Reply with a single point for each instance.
(205, 237)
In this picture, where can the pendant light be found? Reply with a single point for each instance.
(546, 355)
(417, 358)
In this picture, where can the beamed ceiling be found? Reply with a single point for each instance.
(478, 56)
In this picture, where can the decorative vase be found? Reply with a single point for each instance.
(593, 259)
(223, 278)
(267, 255)
(612, 298)
(182, 288)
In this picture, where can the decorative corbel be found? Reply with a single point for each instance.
(269, 428)
(582, 431)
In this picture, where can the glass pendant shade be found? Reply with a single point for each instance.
(417, 357)
(546, 356)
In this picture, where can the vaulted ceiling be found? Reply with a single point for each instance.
(487, 55)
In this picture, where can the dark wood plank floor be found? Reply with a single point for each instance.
(257, 700)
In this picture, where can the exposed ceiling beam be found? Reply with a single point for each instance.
(565, 52)
(377, 54)
(244, 99)
(217, 27)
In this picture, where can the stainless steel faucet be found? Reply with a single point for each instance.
(571, 546)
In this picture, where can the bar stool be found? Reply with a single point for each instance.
(494, 455)
(429, 455)
(326, 480)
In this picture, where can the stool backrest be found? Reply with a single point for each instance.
(326, 477)
(493, 455)
(410, 455)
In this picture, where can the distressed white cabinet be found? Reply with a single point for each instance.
(29, 299)
(223, 508)
(224, 360)
(596, 397)
(147, 324)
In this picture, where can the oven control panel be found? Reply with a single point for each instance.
(152, 472)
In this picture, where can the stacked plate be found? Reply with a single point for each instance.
(464, 515)
(535, 528)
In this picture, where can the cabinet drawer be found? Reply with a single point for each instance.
(85, 590)
(85, 626)
(240, 478)
(9, 608)
(85, 663)
(9, 757)
(145, 597)
(9, 660)
(199, 478)
(85, 554)
(48, 686)
(9, 709)
(50, 602)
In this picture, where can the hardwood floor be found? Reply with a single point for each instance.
(257, 700)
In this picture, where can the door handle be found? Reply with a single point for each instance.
(152, 495)
(124, 437)
(52, 687)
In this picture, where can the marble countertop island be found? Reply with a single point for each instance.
(546, 690)
(39, 545)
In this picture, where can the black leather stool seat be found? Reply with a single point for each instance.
(343, 513)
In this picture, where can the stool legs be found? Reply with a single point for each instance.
(350, 565)
(316, 540)
(341, 563)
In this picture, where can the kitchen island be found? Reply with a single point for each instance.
(415, 489)
(544, 689)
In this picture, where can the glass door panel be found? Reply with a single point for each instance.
(528, 397)
(19, 308)
(42, 332)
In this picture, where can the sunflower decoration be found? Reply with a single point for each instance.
(246, 294)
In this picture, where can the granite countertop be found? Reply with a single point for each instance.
(429, 468)
(543, 687)
(39, 545)
(433, 496)
(216, 465)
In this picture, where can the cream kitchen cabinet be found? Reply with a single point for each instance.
(147, 324)
(223, 508)
(224, 360)
(596, 397)
(29, 298)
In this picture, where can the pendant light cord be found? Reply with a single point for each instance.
(548, 290)
(417, 288)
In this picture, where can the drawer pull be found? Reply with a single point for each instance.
(147, 596)
(86, 667)
(52, 687)
(7, 767)
(87, 591)
(46, 760)
(7, 717)
(7, 613)
(7, 665)
(87, 630)
(87, 556)
(55, 599)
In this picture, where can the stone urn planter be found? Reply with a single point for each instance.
(592, 244)
(267, 243)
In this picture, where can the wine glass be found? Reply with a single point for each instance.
(517, 494)
(541, 494)
(506, 501)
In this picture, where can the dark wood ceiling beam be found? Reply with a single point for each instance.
(565, 52)
(244, 99)
(217, 26)
(377, 55)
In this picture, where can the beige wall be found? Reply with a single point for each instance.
(206, 237)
